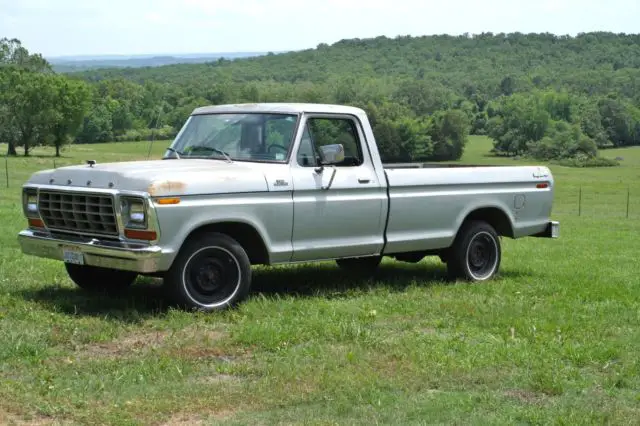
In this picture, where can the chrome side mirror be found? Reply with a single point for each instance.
(332, 154)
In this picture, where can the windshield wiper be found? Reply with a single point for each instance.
(212, 149)
(175, 151)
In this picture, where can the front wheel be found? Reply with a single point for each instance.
(476, 253)
(96, 279)
(212, 272)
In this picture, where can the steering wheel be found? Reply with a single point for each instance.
(282, 147)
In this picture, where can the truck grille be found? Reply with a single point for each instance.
(81, 213)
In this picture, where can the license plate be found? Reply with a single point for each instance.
(72, 255)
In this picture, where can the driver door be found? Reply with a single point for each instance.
(345, 219)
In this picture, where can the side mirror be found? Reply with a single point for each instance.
(332, 154)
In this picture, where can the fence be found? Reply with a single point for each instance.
(590, 200)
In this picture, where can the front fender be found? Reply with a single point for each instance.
(269, 214)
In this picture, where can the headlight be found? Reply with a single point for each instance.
(30, 202)
(134, 213)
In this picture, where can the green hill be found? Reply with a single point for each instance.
(542, 95)
(593, 63)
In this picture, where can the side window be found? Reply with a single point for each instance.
(306, 155)
(330, 131)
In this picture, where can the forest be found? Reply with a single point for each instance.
(544, 96)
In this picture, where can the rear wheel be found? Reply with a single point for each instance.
(95, 279)
(475, 254)
(212, 272)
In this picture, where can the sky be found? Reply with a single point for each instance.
(94, 27)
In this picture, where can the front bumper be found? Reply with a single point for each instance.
(551, 231)
(90, 251)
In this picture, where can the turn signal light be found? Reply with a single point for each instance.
(135, 234)
(36, 223)
(168, 201)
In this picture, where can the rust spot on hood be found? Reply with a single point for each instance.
(166, 187)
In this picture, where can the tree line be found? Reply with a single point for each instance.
(37, 106)
(537, 95)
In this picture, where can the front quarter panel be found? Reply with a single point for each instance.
(269, 213)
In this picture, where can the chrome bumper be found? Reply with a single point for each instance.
(90, 251)
(551, 231)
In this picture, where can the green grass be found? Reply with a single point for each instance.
(553, 340)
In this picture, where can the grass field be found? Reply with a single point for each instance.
(555, 339)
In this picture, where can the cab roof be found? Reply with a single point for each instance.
(278, 108)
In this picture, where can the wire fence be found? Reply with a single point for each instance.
(592, 201)
(589, 200)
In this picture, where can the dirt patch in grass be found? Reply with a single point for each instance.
(184, 419)
(131, 344)
(526, 396)
(8, 418)
(196, 351)
(192, 341)
(216, 379)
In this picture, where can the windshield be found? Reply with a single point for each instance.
(236, 137)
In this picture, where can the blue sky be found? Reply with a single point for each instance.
(70, 27)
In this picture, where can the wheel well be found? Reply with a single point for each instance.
(494, 217)
(246, 235)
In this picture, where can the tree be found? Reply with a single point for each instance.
(400, 136)
(449, 131)
(520, 119)
(71, 100)
(423, 97)
(97, 125)
(507, 86)
(30, 101)
(7, 128)
(591, 124)
(619, 120)
(12, 53)
(15, 64)
(7, 124)
(563, 140)
(403, 140)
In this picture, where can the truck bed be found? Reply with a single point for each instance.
(429, 201)
(434, 165)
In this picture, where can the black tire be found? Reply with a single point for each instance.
(212, 272)
(96, 279)
(360, 265)
(475, 254)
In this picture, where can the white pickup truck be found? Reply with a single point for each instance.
(266, 184)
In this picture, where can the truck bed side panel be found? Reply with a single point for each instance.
(428, 205)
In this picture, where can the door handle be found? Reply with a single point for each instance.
(364, 180)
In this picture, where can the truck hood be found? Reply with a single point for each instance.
(159, 177)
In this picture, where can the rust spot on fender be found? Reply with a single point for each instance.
(166, 187)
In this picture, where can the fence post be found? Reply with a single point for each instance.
(6, 168)
(580, 203)
(54, 163)
(628, 200)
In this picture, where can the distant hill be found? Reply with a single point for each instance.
(486, 65)
(555, 95)
(89, 62)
